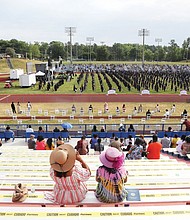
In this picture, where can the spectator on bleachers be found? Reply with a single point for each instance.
(98, 147)
(174, 141)
(29, 129)
(185, 148)
(59, 141)
(131, 128)
(135, 152)
(73, 109)
(90, 109)
(102, 129)
(111, 177)
(154, 148)
(166, 141)
(40, 143)
(31, 142)
(49, 144)
(121, 128)
(94, 128)
(187, 124)
(56, 129)
(167, 113)
(40, 129)
(93, 140)
(70, 173)
(82, 146)
(116, 144)
(112, 138)
(8, 130)
(180, 142)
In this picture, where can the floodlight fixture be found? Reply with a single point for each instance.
(143, 32)
(90, 39)
(70, 31)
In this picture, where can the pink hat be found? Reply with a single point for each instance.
(112, 158)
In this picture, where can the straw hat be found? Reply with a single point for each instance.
(112, 158)
(62, 159)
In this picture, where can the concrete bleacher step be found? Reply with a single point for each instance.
(146, 197)
(76, 213)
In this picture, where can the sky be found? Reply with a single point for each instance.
(106, 21)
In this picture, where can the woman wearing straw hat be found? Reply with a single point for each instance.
(111, 177)
(69, 172)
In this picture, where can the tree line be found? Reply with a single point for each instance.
(117, 52)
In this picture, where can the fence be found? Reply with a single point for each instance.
(86, 129)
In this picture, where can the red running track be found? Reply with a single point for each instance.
(73, 98)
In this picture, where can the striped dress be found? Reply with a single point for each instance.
(70, 189)
(111, 186)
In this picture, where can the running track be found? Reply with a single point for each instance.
(74, 98)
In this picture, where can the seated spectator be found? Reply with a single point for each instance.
(116, 144)
(184, 113)
(187, 124)
(8, 130)
(98, 147)
(56, 129)
(166, 141)
(174, 141)
(29, 129)
(111, 177)
(167, 114)
(140, 108)
(59, 141)
(93, 140)
(31, 142)
(123, 108)
(94, 129)
(157, 108)
(106, 108)
(170, 129)
(90, 109)
(154, 148)
(185, 148)
(135, 152)
(135, 111)
(121, 128)
(69, 172)
(131, 128)
(102, 129)
(148, 114)
(40, 143)
(40, 129)
(49, 144)
(180, 142)
(82, 146)
(73, 109)
(117, 110)
(112, 138)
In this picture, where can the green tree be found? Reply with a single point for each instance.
(10, 51)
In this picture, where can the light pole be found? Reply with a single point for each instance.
(70, 31)
(158, 40)
(143, 32)
(90, 39)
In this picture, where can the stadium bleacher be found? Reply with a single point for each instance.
(163, 186)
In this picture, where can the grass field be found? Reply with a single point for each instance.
(38, 110)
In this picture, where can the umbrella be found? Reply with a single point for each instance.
(66, 125)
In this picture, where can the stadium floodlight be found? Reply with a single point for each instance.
(143, 32)
(158, 40)
(70, 31)
(90, 39)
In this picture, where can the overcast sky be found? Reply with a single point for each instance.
(109, 21)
